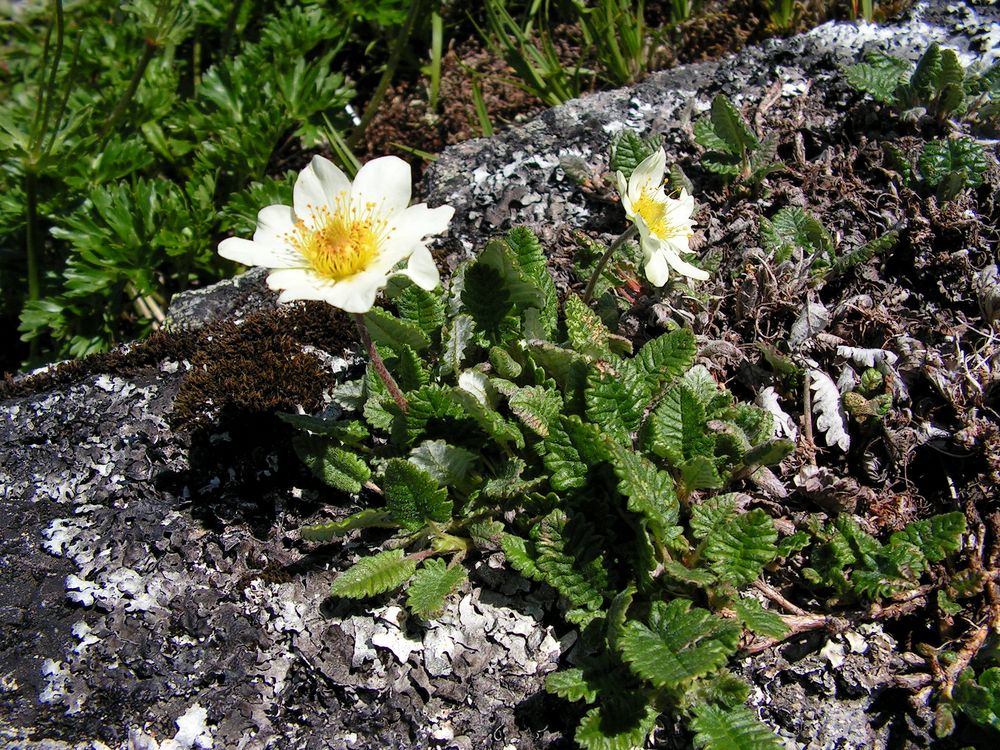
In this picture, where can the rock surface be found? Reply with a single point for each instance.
(138, 609)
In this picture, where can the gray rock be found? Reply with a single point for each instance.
(136, 614)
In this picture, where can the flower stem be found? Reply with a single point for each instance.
(380, 368)
(625, 237)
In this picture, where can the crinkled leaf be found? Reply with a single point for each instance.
(663, 359)
(586, 331)
(700, 473)
(351, 432)
(420, 307)
(456, 340)
(486, 299)
(794, 228)
(880, 77)
(758, 620)
(712, 513)
(374, 575)
(413, 496)
(628, 150)
(960, 158)
(731, 728)
(935, 537)
(730, 126)
(537, 407)
(650, 491)
(863, 254)
(597, 731)
(432, 402)
(534, 266)
(927, 72)
(979, 697)
(389, 331)
(677, 427)
(562, 460)
(572, 685)
(616, 401)
(448, 464)
(432, 585)
(337, 467)
(508, 484)
(504, 364)
(706, 389)
(504, 432)
(679, 644)
(567, 554)
(363, 519)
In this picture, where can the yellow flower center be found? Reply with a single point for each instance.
(342, 242)
(653, 211)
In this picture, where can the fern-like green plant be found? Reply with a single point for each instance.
(733, 150)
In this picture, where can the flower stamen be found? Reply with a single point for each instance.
(340, 243)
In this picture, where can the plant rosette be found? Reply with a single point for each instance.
(341, 241)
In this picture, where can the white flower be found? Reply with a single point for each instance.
(664, 223)
(340, 241)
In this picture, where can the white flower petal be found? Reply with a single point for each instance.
(251, 253)
(384, 182)
(422, 270)
(273, 224)
(356, 294)
(317, 187)
(296, 283)
(656, 269)
(416, 223)
(648, 175)
(685, 268)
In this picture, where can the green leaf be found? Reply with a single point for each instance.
(537, 407)
(712, 513)
(571, 684)
(706, 137)
(628, 150)
(738, 551)
(731, 728)
(566, 553)
(599, 732)
(793, 228)
(389, 331)
(520, 553)
(456, 340)
(677, 427)
(486, 299)
(413, 496)
(722, 164)
(662, 360)
(408, 368)
(961, 159)
(758, 620)
(432, 403)
(504, 432)
(374, 575)
(615, 402)
(504, 259)
(337, 467)
(351, 431)
(649, 490)
(731, 127)
(935, 537)
(927, 73)
(448, 464)
(363, 519)
(504, 364)
(979, 698)
(587, 333)
(534, 266)
(866, 252)
(679, 645)
(692, 576)
(562, 460)
(769, 453)
(508, 484)
(699, 473)
(432, 585)
(880, 77)
(420, 307)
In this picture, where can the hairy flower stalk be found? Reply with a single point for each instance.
(341, 241)
(664, 224)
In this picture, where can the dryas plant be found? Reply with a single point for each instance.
(611, 475)
(733, 150)
(938, 86)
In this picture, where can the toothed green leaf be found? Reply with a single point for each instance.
(650, 491)
(936, 537)
(700, 473)
(562, 460)
(587, 333)
(571, 684)
(350, 432)
(389, 331)
(374, 575)
(429, 405)
(534, 266)
(928, 72)
(794, 228)
(364, 519)
(731, 728)
(413, 496)
(520, 553)
(337, 467)
(758, 620)
(457, 338)
(730, 126)
(537, 407)
(432, 585)
(508, 484)
(597, 731)
(629, 150)
(679, 644)
(738, 551)
(615, 402)
(448, 464)
(662, 360)
(677, 427)
(504, 432)
(866, 252)
(487, 300)
(880, 76)
(420, 307)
